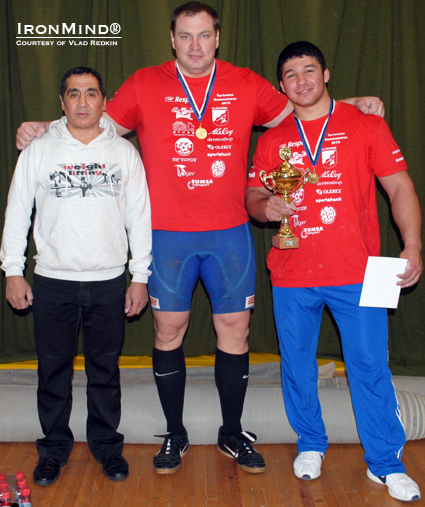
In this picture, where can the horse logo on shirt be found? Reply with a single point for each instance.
(329, 158)
(220, 116)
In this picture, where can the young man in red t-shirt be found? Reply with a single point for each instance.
(337, 223)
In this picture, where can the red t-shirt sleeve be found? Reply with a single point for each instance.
(270, 102)
(123, 107)
(385, 156)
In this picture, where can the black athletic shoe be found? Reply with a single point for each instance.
(239, 447)
(169, 458)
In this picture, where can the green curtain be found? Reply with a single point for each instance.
(372, 47)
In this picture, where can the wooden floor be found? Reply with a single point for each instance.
(207, 478)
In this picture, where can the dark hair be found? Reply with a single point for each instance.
(191, 9)
(297, 50)
(81, 71)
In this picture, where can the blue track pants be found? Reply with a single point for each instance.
(364, 336)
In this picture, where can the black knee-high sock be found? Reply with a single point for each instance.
(231, 377)
(169, 369)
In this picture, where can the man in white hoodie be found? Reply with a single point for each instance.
(91, 200)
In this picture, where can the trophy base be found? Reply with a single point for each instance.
(285, 243)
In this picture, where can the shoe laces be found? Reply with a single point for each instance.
(173, 444)
(243, 446)
(308, 457)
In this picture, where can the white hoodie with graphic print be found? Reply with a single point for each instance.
(91, 202)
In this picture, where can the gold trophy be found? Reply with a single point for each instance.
(284, 180)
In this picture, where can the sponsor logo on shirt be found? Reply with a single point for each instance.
(183, 129)
(199, 183)
(184, 146)
(181, 171)
(297, 221)
(219, 146)
(331, 175)
(329, 199)
(328, 191)
(219, 139)
(218, 168)
(220, 116)
(184, 160)
(329, 157)
(221, 132)
(298, 196)
(295, 144)
(182, 112)
(297, 158)
(252, 175)
(333, 182)
(328, 214)
(184, 100)
(307, 231)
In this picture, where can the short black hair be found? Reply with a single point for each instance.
(193, 8)
(297, 50)
(81, 71)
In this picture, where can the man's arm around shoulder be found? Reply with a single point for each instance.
(29, 130)
(367, 105)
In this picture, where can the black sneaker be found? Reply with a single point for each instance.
(239, 447)
(169, 458)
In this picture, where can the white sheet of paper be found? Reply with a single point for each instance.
(379, 285)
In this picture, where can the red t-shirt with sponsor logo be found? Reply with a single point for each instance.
(336, 218)
(195, 184)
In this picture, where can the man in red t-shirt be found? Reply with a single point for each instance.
(337, 224)
(193, 118)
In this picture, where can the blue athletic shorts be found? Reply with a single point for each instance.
(224, 260)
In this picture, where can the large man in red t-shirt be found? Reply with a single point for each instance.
(335, 217)
(193, 118)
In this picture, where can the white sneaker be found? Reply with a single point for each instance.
(307, 465)
(400, 486)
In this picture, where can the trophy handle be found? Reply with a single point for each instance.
(265, 180)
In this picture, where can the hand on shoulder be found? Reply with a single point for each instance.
(28, 131)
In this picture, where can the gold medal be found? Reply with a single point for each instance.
(313, 177)
(201, 133)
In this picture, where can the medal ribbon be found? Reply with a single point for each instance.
(314, 158)
(198, 113)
